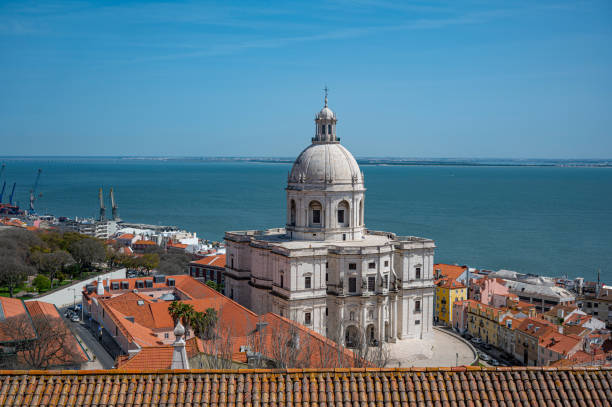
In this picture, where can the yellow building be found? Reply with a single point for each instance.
(447, 292)
(483, 322)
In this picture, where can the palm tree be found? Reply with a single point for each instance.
(181, 311)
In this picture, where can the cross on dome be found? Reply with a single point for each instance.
(325, 89)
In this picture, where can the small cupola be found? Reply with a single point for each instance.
(325, 131)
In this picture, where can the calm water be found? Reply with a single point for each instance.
(551, 221)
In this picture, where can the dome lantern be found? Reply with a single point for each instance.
(325, 128)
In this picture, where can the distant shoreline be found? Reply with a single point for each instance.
(391, 161)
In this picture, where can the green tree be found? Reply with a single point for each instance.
(149, 261)
(52, 263)
(41, 282)
(181, 311)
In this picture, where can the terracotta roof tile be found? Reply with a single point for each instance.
(303, 387)
(215, 260)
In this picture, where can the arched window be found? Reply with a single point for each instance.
(292, 214)
(315, 214)
(343, 214)
(322, 129)
(329, 129)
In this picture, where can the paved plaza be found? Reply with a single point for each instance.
(444, 349)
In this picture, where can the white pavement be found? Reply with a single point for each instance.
(67, 295)
(443, 350)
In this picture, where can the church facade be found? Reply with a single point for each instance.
(324, 269)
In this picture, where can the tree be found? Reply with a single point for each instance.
(181, 311)
(87, 251)
(39, 342)
(52, 263)
(173, 263)
(41, 282)
(13, 272)
(149, 261)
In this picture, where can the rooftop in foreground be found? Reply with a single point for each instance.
(458, 386)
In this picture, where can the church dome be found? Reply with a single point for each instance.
(326, 114)
(325, 163)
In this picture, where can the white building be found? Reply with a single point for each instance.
(324, 269)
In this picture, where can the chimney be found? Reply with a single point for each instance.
(100, 289)
(179, 355)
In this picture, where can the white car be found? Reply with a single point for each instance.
(75, 318)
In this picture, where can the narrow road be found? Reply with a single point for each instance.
(103, 359)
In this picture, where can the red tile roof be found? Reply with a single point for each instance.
(73, 352)
(144, 243)
(450, 284)
(11, 308)
(449, 270)
(126, 236)
(215, 260)
(458, 386)
(156, 357)
(559, 343)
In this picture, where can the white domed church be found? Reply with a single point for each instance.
(324, 269)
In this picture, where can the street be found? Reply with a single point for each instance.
(102, 358)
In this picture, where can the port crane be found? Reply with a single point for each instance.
(102, 208)
(114, 213)
(33, 191)
(12, 193)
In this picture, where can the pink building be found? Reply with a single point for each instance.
(460, 309)
(484, 290)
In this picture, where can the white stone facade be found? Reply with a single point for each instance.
(324, 269)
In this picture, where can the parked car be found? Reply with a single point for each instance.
(476, 341)
(75, 318)
(484, 356)
(486, 346)
(494, 362)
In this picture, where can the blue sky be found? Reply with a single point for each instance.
(516, 79)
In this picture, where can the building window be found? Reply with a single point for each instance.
(352, 285)
(340, 215)
(329, 129)
(326, 277)
(307, 318)
(316, 216)
(371, 283)
(386, 263)
(371, 314)
(417, 306)
(166, 335)
(417, 322)
(326, 311)
(326, 265)
(418, 273)
(307, 282)
(386, 281)
(352, 316)
(282, 282)
(232, 294)
(322, 129)
(372, 265)
(352, 266)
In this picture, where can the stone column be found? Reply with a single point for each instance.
(381, 323)
(394, 319)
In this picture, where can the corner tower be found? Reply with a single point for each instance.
(325, 190)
